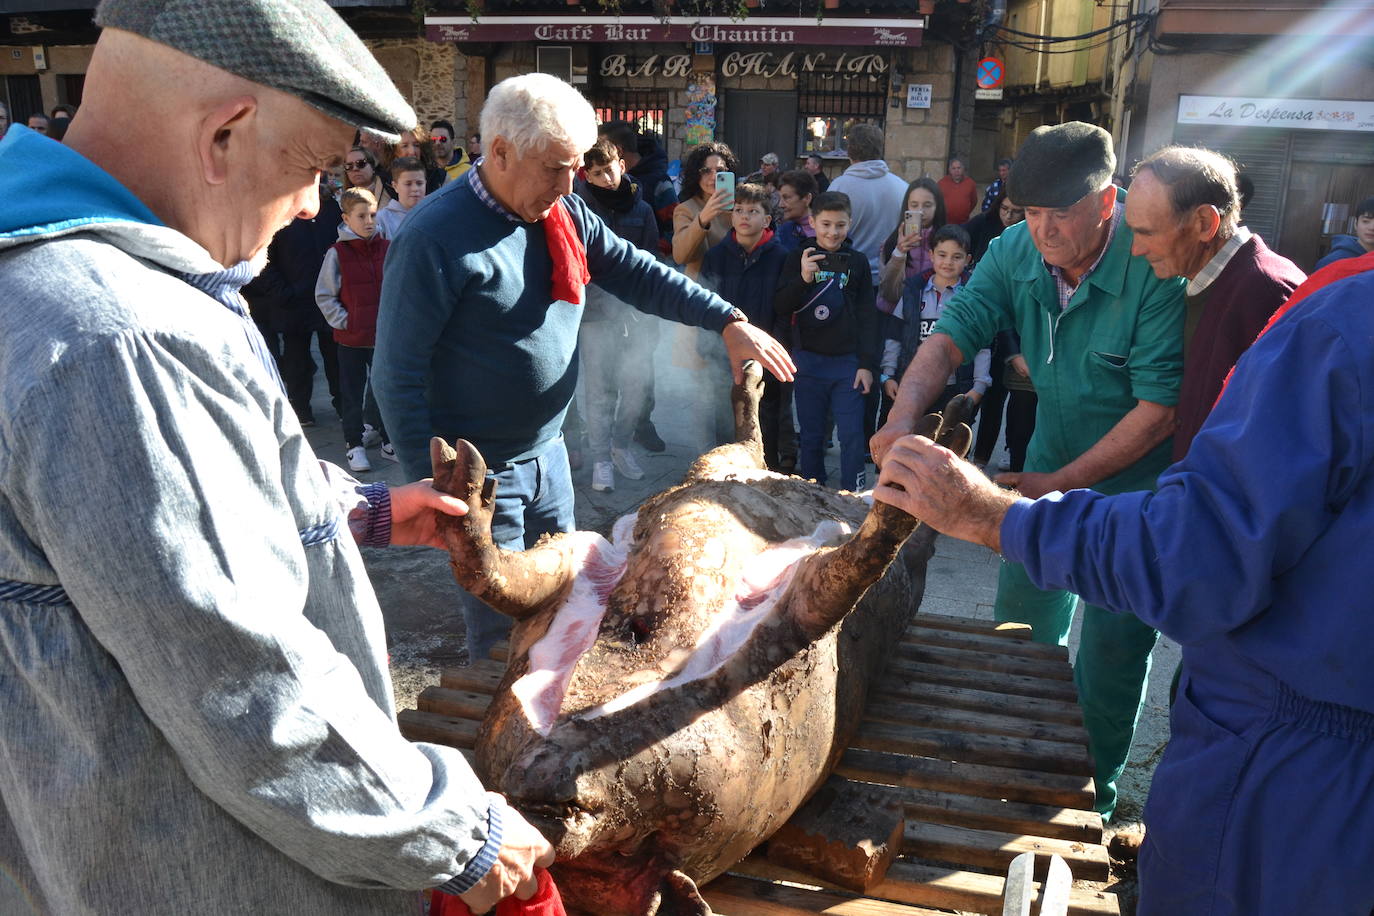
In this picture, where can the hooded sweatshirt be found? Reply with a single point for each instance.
(875, 198)
(349, 298)
(390, 218)
(192, 661)
(1342, 246)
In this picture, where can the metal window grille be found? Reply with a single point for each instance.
(646, 108)
(828, 104)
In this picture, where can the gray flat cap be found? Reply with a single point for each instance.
(301, 47)
(1060, 165)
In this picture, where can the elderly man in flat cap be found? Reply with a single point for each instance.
(197, 708)
(477, 335)
(1103, 339)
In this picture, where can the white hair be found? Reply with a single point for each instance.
(535, 109)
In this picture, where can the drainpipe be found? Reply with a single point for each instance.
(1040, 55)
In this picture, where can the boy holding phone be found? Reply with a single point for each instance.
(826, 292)
(744, 270)
(923, 302)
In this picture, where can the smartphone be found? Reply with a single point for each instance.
(834, 261)
(726, 180)
(911, 222)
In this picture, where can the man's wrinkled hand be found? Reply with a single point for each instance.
(744, 341)
(523, 849)
(933, 484)
(413, 518)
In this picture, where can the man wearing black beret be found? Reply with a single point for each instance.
(198, 713)
(1103, 337)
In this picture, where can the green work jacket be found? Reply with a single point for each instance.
(1119, 341)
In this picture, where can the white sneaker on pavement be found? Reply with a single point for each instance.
(1004, 464)
(371, 438)
(389, 452)
(357, 459)
(626, 464)
(603, 476)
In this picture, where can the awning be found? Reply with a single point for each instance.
(804, 30)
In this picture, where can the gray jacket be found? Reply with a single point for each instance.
(193, 672)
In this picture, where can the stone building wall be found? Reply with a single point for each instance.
(918, 139)
(434, 77)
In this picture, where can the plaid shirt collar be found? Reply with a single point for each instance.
(1065, 290)
(480, 189)
(1213, 268)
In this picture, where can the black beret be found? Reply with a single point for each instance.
(1059, 165)
(300, 47)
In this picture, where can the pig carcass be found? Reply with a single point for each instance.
(676, 692)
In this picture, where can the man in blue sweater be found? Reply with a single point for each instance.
(482, 302)
(1248, 556)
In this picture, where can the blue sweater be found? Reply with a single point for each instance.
(469, 342)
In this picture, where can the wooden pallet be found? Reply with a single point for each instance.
(979, 731)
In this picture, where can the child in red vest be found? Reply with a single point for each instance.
(348, 292)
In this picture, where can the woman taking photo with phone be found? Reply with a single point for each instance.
(906, 253)
(702, 219)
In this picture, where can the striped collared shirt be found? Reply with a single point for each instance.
(480, 189)
(1065, 290)
(1213, 268)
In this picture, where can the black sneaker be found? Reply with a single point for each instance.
(649, 438)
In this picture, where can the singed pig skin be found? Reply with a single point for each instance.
(674, 784)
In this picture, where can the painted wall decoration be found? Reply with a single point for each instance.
(701, 109)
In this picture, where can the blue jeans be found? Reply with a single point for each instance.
(533, 498)
(827, 382)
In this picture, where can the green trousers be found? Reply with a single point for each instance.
(1111, 670)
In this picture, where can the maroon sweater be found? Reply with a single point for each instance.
(1254, 283)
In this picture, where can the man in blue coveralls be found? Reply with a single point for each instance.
(1247, 555)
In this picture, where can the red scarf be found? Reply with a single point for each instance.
(570, 273)
(763, 240)
(545, 902)
(1337, 270)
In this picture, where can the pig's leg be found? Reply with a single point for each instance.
(746, 451)
(512, 582)
(830, 583)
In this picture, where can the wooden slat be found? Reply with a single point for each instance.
(1072, 824)
(460, 704)
(1014, 685)
(994, 850)
(974, 700)
(1019, 785)
(479, 677)
(427, 726)
(884, 709)
(920, 634)
(986, 660)
(937, 887)
(970, 625)
(736, 895)
(997, 750)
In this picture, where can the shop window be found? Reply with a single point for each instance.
(646, 108)
(828, 104)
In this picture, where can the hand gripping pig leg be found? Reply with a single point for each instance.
(514, 583)
(831, 582)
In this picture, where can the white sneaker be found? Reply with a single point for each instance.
(389, 452)
(1004, 464)
(357, 459)
(625, 463)
(371, 438)
(603, 476)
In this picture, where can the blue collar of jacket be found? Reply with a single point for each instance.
(50, 188)
(1109, 277)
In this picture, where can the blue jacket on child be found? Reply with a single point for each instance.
(746, 279)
